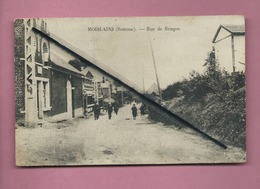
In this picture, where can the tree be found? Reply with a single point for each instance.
(211, 63)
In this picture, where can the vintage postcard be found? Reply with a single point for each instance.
(130, 90)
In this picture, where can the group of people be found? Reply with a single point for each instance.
(109, 108)
(134, 110)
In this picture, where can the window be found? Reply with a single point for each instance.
(46, 95)
(42, 25)
(45, 52)
(43, 95)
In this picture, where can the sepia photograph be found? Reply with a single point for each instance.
(130, 90)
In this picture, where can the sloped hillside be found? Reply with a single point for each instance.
(223, 119)
(213, 101)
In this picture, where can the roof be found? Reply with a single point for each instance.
(89, 75)
(58, 61)
(233, 29)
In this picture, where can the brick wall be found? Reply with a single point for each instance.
(19, 68)
(77, 92)
(58, 93)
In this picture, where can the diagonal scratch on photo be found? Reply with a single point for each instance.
(130, 91)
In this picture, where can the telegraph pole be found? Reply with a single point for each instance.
(156, 74)
(143, 85)
(122, 96)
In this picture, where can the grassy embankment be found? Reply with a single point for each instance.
(214, 102)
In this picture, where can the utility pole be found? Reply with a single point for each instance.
(96, 91)
(143, 85)
(233, 53)
(157, 79)
(122, 96)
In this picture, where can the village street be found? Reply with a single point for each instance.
(121, 140)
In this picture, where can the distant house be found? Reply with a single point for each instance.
(229, 42)
(153, 90)
(89, 95)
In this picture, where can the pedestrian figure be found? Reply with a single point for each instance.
(105, 107)
(96, 110)
(109, 110)
(116, 108)
(142, 110)
(134, 111)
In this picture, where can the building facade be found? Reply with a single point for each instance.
(229, 43)
(48, 83)
(54, 80)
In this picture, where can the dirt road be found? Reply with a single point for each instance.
(120, 140)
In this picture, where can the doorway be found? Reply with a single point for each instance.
(69, 99)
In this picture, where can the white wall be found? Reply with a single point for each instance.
(239, 42)
(223, 47)
(224, 54)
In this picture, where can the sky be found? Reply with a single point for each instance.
(176, 51)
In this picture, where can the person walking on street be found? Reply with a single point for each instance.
(142, 110)
(134, 111)
(109, 110)
(96, 110)
(116, 108)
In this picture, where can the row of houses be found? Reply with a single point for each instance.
(53, 81)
